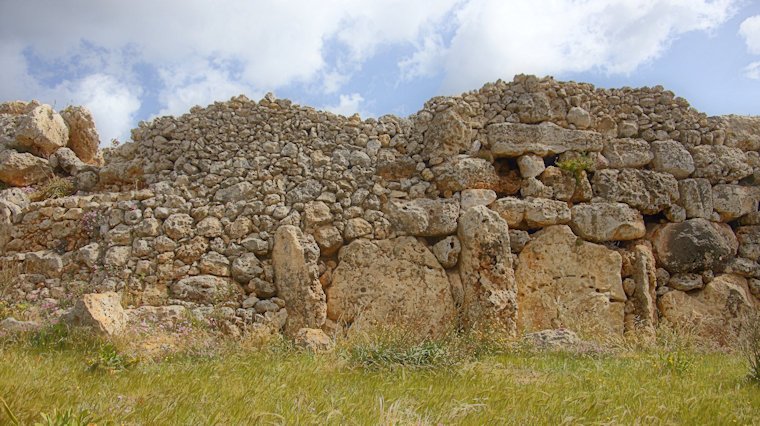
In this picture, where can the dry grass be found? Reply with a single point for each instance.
(265, 380)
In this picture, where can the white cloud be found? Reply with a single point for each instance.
(752, 70)
(348, 105)
(750, 30)
(496, 39)
(203, 51)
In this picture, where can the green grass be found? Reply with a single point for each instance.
(361, 384)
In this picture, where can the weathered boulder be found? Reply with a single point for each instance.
(447, 134)
(719, 163)
(329, 240)
(447, 251)
(566, 282)
(579, 117)
(204, 289)
(693, 245)
(622, 153)
(566, 185)
(423, 217)
(47, 263)
(696, 197)
(647, 191)
(396, 282)
(246, 267)
(178, 226)
(313, 339)
(718, 312)
(749, 242)
(11, 325)
(66, 160)
(237, 192)
(463, 172)
(101, 312)
(673, 158)
(734, 201)
(485, 269)
(477, 197)
(530, 165)
(531, 213)
(83, 136)
(514, 140)
(42, 131)
(742, 132)
(294, 260)
(601, 222)
(22, 169)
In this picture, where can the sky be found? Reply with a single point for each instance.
(135, 60)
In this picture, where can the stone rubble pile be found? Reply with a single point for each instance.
(527, 205)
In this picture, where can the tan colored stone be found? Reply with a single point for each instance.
(485, 268)
(42, 131)
(718, 312)
(601, 222)
(101, 312)
(566, 282)
(313, 339)
(22, 169)
(531, 213)
(395, 282)
(83, 135)
(294, 259)
(514, 140)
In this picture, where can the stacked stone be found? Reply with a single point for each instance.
(530, 205)
(37, 142)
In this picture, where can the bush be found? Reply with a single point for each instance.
(751, 347)
(55, 187)
(577, 165)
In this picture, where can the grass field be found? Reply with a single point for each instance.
(45, 377)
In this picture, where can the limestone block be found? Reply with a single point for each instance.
(531, 213)
(696, 197)
(101, 312)
(693, 245)
(514, 140)
(734, 201)
(22, 169)
(564, 282)
(623, 153)
(83, 135)
(673, 158)
(391, 282)
(645, 190)
(42, 131)
(423, 217)
(601, 222)
(720, 164)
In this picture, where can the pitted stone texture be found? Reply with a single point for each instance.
(22, 169)
(83, 135)
(477, 197)
(462, 172)
(645, 190)
(42, 131)
(204, 289)
(101, 312)
(601, 222)
(423, 217)
(693, 245)
(531, 213)
(178, 226)
(718, 312)
(696, 198)
(485, 268)
(623, 153)
(530, 165)
(566, 185)
(673, 158)
(749, 242)
(734, 201)
(514, 140)
(579, 117)
(642, 313)
(296, 276)
(447, 134)
(391, 282)
(447, 251)
(566, 282)
(720, 164)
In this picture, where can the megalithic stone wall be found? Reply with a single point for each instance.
(529, 204)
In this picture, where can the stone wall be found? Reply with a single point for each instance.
(526, 205)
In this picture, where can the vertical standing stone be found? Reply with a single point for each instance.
(294, 259)
(485, 267)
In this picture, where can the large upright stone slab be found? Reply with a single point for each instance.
(296, 276)
(717, 312)
(396, 282)
(485, 266)
(566, 282)
(514, 140)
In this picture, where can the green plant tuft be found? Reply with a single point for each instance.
(577, 165)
